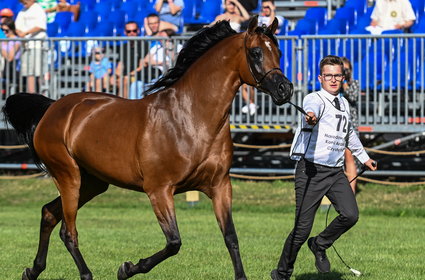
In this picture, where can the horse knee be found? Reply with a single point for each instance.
(173, 246)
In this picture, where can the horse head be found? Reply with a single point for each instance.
(262, 59)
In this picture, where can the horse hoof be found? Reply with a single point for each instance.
(27, 275)
(122, 271)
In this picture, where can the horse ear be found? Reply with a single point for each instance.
(253, 23)
(273, 26)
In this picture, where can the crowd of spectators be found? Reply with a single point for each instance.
(165, 19)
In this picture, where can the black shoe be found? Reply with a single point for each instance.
(277, 276)
(322, 262)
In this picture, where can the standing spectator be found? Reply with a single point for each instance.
(100, 71)
(10, 51)
(63, 6)
(170, 12)
(130, 65)
(268, 14)
(163, 53)
(235, 13)
(318, 147)
(351, 92)
(391, 15)
(31, 23)
(4, 14)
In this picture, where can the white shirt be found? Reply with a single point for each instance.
(158, 52)
(265, 20)
(325, 142)
(389, 13)
(32, 17)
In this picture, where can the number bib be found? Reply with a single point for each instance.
(325, 142)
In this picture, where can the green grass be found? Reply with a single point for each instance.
(387, 243)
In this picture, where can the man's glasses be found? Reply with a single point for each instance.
(131, 31)
(97, 53)
(328, 77)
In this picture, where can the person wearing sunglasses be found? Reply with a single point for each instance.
(10, 51)
(318, 147)
(129, 70)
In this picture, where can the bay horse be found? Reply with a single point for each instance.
(174, 140)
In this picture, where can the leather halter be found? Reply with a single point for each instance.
(257, 81)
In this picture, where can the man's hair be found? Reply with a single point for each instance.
(272, 1)
(132, 22)
(152, 15)
(331, 60)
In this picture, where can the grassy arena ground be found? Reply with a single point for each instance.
(387, 243)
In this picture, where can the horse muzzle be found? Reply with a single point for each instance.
(278, 87)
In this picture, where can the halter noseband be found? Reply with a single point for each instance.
(257, 81)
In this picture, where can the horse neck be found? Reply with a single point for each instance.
(215, 76)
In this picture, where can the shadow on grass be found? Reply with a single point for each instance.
(319, 276)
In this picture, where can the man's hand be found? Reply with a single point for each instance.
(310, 118)
(371, 164)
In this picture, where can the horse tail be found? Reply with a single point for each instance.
(24, 111)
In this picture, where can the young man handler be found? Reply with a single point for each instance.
(318, 146)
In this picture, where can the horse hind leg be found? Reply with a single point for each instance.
(90, 187)
(51, 214)
(163, 206)
(222, 202)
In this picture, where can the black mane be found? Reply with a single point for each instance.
(194, 48)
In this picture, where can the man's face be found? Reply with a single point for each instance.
(331, 78)
(153, 23)
(266, 8)
(131, 30)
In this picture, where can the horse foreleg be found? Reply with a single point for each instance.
(51, 214)
(222, 203)
(163, 206)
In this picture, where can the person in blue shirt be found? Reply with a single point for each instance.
(170, 12)
(100, 71)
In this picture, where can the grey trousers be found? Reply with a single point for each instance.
(312, 182)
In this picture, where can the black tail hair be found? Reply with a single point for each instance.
(24, 111)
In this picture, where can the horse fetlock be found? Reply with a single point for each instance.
(87, 276)
(29, 275)
(124, 271)
(173, 247)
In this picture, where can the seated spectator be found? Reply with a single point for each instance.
(235, 13)
(268, 14)
(391, 15)
(100, 70)
(170, 13)
(10, 51)
(63, 6)
(4, 14)
(48, 4)
(152, 24)
(162, 54)
(128, 72)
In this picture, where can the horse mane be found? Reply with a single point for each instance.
(194, 48)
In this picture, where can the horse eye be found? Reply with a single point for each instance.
(256, 53)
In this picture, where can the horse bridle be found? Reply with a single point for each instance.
(257, 81)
